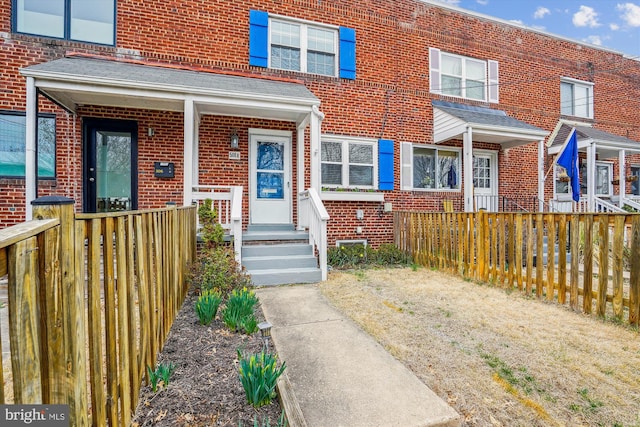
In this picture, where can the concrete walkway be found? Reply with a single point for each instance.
(338, 374)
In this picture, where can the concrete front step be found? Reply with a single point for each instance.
(256, 237)
(279, 262)
(285, 249)
(285, 276)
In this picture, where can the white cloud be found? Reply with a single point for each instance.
(596, 40)
(586, 17)
(516, 21)
(451, 2)
(630, 13)
(482, 2)
(541, 12)
(614, 27)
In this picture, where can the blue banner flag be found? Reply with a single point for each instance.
(569, 160)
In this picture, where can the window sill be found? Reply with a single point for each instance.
(352, 196)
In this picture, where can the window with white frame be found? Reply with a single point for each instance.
(635, 184)
(348, 163)
(603, 177)
(576, 98)
(427, 167)
(562, 180)
(81, 20)
(463, 77)
(298, 46)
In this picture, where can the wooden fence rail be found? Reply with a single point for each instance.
(91, 299)
(575, 259)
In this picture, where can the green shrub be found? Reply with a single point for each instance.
(212, 232)
(207, 306)
(238, 313)
(258, 375)
(217, 269)
(353, 256)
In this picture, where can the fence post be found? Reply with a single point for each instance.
(73, 384)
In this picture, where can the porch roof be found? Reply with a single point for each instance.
(451, 120)
(607, 144)
(75, 81)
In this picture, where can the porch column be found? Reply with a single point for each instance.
(30, 161)
(316, 119)
(195, 175)
(622, 172)
(189, 126)
(467, 155)
(300, 164)
(541, 175)
(591, 176)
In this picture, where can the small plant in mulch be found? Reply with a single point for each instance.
(238, 313)
(162, 373)
(207, 306)
(282, 422)
(259, 374)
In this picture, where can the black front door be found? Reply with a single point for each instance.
(110, 165)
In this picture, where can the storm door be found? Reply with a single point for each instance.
(110, 165)
(270, 160)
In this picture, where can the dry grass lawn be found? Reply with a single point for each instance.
(499, 358)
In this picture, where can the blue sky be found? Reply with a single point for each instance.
(613, 24)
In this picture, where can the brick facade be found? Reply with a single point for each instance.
(390, 98)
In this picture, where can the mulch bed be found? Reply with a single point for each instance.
(205, 389)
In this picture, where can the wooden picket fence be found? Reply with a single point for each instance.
(576, 259)
(91, 299)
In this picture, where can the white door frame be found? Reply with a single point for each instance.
(490, 203)
(259, 211)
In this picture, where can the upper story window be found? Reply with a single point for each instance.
(463, 77)
(348, 162)
(13, 145)
(300, 47)
(427, 167)
(576, 98)
(80, 20)
(288, 44)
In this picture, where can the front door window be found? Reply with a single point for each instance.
(270, 160)
(270, 170)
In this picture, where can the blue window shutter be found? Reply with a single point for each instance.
(385, 164)
(347, 53)
(258, 38)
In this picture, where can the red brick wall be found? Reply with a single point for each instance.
(390, 98)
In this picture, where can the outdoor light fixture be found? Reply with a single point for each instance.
(265, 331)
(233, 139)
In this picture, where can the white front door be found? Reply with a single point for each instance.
(270, 179)
(485, 181)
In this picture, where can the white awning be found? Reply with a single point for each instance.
(451, 121)
(76, 81)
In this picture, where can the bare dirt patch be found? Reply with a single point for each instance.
(205, 389)
(498, 357)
